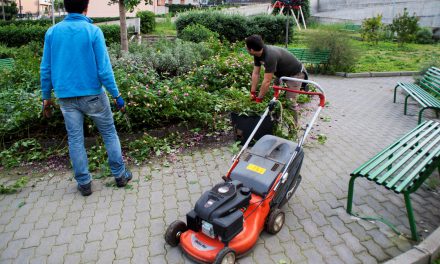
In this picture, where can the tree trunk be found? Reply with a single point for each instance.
(123, 19)
(3, 9)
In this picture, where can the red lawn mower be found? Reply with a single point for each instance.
(228, 219)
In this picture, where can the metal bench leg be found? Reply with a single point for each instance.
(350, 194)
(412, 222)
(395, 91)
(421, 115)
(406, 104)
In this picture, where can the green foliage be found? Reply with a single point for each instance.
(343, 55)
(148, 22)
(405, 27)
(176, 8)
(271, 28)
(11, 10)
(322, 139)
(235, 27)
(20, 183)
(24, 150)
(424, 36)
(371, 28)
(197, 33)
(16, 36)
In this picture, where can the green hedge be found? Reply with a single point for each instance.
(148, 22)
(48, 22)
(16, 36)
(235, 27)
(174, 8)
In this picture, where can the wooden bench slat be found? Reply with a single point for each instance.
(416, 156)
(401, 151)
(403, 140)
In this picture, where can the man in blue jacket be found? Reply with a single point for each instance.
(76, 65)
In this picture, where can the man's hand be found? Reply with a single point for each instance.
(119, 102)
(47, 108)
(253, 96)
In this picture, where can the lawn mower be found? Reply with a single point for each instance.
(228, 219)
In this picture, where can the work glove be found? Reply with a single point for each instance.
(253, 96)
(47, 107)
(119, 103)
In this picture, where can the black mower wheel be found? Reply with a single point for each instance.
(174, 230)
(225, 256)
(275, 221)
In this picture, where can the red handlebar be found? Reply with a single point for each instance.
(278, 88)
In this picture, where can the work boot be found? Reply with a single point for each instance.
(85, 189)
(126, 177)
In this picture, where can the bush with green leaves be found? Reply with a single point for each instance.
(405, 27)
(371, 29)
(148, 21)
(16, 36)
(424, 36)
(343, 55)
(197, 33)
(235, 27)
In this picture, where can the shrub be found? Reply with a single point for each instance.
(16, 36)
(343, 55)
(424, 36)
(13, 36)
(148, 22)
(112, 34)
(371, 28)
(175, 8)
(271, 28)
(405, 27)
(197, 33)
(235, 27)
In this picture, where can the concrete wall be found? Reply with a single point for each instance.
(340, 10)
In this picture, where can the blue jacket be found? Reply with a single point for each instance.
(75, 60)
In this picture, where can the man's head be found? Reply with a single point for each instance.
(76, 6)
(254, 45)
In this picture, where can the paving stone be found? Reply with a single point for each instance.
(365, 258)
(58, 254)
(77, 243)
(140, 255)
(313, 256)
(302, 239)
(310, 227)
(346, 254)
(157, 259)
(106, 256)
(353, 243)
(34, 238)
(4, 239)
(174, 255)
(323, 246)
(123, 249)
(127, 230)
(331, 235)
(12, 250)
(375, 250)
(73, 259)
(45, 247)
(38, 260)
(90, 253)
(96, 233)
(65, 235)
(272, 244)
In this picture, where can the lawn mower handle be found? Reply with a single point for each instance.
(321, 95)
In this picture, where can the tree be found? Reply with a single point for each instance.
(9, 9)
(371, 28)
(405, 27)
(125, 5)
(59, 6)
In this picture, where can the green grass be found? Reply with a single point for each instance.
(165, 27)
(386, 56)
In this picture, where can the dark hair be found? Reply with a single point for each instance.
(76, 6)
(254, 42)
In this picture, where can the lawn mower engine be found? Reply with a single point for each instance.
(217, 213)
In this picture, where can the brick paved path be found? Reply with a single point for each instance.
(52, 223)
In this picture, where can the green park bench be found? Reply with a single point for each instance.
(426, 93)
(306, 56)
(7, 63)
(403, 166)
